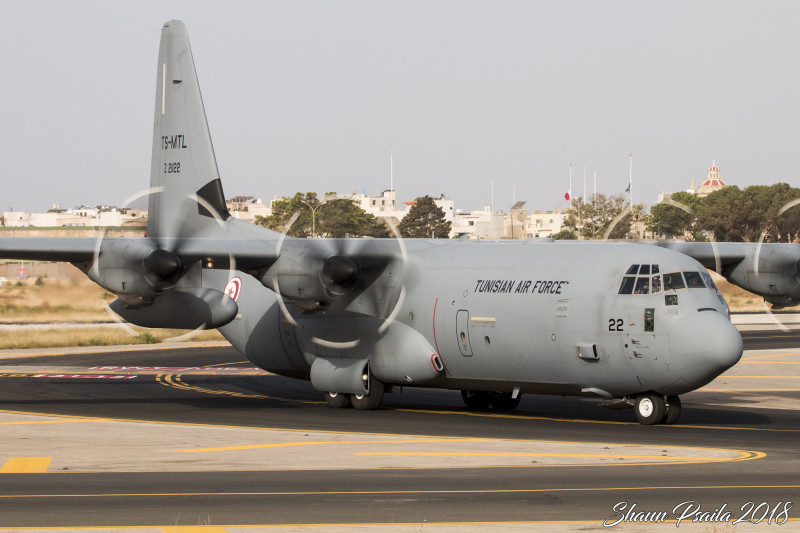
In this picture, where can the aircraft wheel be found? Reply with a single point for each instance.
(650, 409)
(338, 400)
(673, 409)
(476, 400)
(371, 400)
(504, 402)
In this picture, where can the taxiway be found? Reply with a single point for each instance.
(188, 436)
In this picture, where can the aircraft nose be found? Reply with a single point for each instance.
(703, 346)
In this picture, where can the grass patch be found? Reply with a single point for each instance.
(54, 301)
(99, 336)
(739, 300)
(79, 300)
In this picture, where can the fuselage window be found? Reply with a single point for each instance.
(632, 270)
(673, 281)
(655, 269)
(650, 319)
(627, 285)
(642, 286)
(656, 285)
(693, 280)
(645, 269)
(670, 299)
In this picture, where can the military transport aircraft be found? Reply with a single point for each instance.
(629, 324)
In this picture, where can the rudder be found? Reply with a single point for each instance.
(186, 192)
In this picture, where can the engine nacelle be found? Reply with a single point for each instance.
(397, 354)
(181, 308)
(340, 374)
(134, 270)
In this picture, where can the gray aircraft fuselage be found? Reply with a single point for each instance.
(543, 317)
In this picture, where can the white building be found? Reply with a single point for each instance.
(480, 224)
(247, 208)
(383, 205)
(83, 216)
(16, 219)
(543, 224)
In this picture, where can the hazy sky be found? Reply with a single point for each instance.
(312, 96)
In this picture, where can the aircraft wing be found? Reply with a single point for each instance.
(67, 249)
(713, 255)
(247, 254)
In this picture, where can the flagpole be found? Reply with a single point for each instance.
(630, 179)
(584, 184)
(570, 183)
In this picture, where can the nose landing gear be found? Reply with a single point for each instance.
(651, 408)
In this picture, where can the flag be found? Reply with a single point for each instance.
(566, 196)
(629, 188)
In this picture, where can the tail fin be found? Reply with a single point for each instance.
(186, 192)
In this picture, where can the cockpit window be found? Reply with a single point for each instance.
(642, 286)
(637, 280)
(656, 285)
(673, 281)
(709, 282)
(694, 280)
(627, 285)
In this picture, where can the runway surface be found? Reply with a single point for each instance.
(196, 436)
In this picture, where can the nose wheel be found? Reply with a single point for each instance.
(651, 408)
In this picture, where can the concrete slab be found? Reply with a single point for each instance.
(72, 443)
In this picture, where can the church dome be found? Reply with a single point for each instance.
(713, 181)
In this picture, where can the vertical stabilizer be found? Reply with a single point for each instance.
(186, 193)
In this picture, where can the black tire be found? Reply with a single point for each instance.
(673, 409)
(504, 402)
(650, 409)
(477, 400)
(338, 400)
(373, 399)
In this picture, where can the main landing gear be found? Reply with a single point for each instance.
(480, 400)
(651, 408)
(369, 401)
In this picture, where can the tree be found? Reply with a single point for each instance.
(424, 219)
(719, 212)
(780, 220)
(282, 211)
(565, 235)
(602, 217)
(340, 217)
(335, 217)
(677, 217)
(736, 215)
